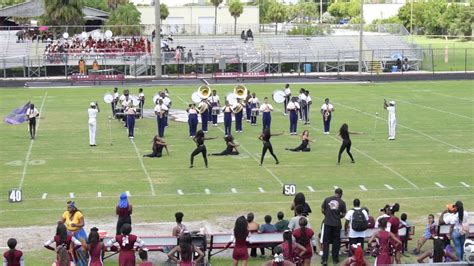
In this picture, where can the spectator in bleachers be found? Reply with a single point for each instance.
(62, 239)
(124, 211)
(190, 57)
(253, 228)
(393, 224)
(127, 243)
(186, 249)
(382, 246)
(95, 248)
(249, 34)
(404, 238)
(398, 63)
(243, 36)
(282, 224)
(74, 221)
(357, 257)
(301, 200)
(406, 65)
(356, 224)
(440, 253)
(267, 227)
(457, 217)
(430, 231)
(333, 208)
(295, 221)
(303, 236)
(180, 227)
(13, 257)
(144, 258)
(240, 252)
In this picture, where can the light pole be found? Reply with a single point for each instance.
(320, 11)
(361, 32)
(157, 39)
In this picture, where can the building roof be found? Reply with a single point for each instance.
(35, 8)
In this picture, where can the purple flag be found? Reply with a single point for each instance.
(18, 115)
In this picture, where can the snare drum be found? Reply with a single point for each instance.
(216, 110)
(254, 112)
(119, 114)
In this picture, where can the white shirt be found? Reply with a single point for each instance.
(214, 99)
(453, 218)
(308, 98)
(266, 107)
(352, 233)
(287, 91)
(116, 95)
(32, 112)
(293, 106)
(162, 107)
(325, 107)
(125, 101)
(380, 217)
(302, 97)
(254, 100)
(92, 114)
(391, 112)
(141, 95)
(295, 223)
(192, 111)
(166, 101)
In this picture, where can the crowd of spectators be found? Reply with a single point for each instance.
(70, 243)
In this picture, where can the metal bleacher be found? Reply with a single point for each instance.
(12, 54)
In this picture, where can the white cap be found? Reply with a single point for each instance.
(92, 104)
(392, 102)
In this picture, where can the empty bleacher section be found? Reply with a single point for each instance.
(12, 53)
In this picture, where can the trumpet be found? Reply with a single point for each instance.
(240, 92)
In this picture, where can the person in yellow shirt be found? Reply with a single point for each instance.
(82, 66)
(74, 221)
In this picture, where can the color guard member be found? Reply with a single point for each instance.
(266, 110)
(344, 134)
(267, 145)
(304, 146)
(254, 105)
(32, 113)
(130, 112)
(160, 112)
(215, 104)
(192, 119)
(227, 110)
(157, 148)
(201, 148)
(326, 111)
(92, 111)
(392, 119)
(231, 146)
(141, 99)
(287, 92)
(239, 115)
(293, 108)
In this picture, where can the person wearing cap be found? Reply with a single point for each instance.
(92, 111)
(333, 208)
(392, 120)
(457, 217)
(130, 112)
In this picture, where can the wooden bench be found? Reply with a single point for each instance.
(221, 241)
(239, 75)
(97, 77)
(152, 243)
(445, 228)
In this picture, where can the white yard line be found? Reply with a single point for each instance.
(388, 187)
(71, 195)
(99, 194)
(400, 125)
(261, 190)
(28, 154)
(363, 187)
(207, 191)
(180, 192)
(435, 109)
(44, 196)
(454, 97)
(439, 185)
(310, 188)
(250, 154)
(464, 184)
(144, 168)
(233, 190)
(128, 193)
(377, 161)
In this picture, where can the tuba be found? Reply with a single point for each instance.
(237, 108)
(204, 91)
(240, 92)
(202, 107)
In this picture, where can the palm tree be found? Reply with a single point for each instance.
(277, 13)
(164, 12)
(216, 4)
(62, 12)
(236, 8)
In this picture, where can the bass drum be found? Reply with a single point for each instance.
(108, 98)
(156, 98)
(195, 97)
(231, 98)
(279, 96)
(135, 100)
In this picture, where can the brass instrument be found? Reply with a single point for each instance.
(237, 108)
(204, 91)
(240, 92)
(202, 107)
(326, 113)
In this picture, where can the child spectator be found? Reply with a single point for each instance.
(144, 258)
(13, 257)
(253, 228)
(179, 228)
(186, 249)
(282, 224)
(127, 243)
(404, 238)
(292, 251)
(62, 239)
(267, 227)
(303, 236)
(439, 253)
(383, 254)
(430, 231)
(357, 258)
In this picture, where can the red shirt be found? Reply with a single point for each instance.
(15, 259)
(394, 224)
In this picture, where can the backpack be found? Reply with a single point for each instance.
(358, 222)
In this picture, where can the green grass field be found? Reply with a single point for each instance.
(429, 165)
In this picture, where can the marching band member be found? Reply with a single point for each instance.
(201, 148)
(125, 101)
(392, 120)
(130, 112)
(266, 109)
(204, 116)
(231, 146)
(160, 111)
(114, 102)
(287, 92)
(254, 105)
(293, 108)
(227, 110)
(215, 103)
(92, 111)
(267, 145)
(166, 101)
(192, 119)
(303, 104)
(304, 146)
(308, 106)
(141, 99)
(248, 109)
(239, 114)
(32, 113)
(344, 134)
(326, 111)
(157, 148)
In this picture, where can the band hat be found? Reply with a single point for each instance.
(92, 104)
(392, 102)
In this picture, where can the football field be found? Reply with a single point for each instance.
(430, 164)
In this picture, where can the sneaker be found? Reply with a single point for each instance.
(277, 162)
(191, 166)
(353, 161)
